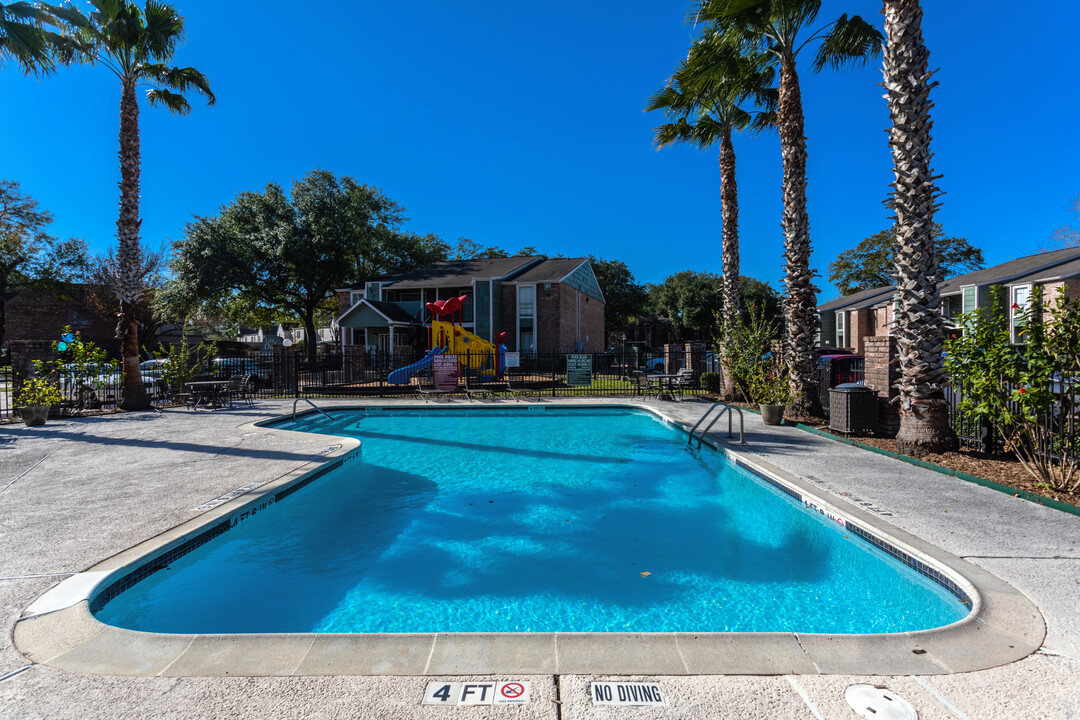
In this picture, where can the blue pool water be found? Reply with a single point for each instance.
(569, 520)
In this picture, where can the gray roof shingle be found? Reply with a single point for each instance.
(1030, 265)
(456, 273)
(862, 298)
(551, 270)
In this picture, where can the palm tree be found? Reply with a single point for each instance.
(920, 337)
(704, 114)
(134, 44)
(25, 38)
(777, 31)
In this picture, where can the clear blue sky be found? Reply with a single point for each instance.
(519, 125)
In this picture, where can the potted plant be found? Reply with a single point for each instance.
(770, 390)
(35, 398)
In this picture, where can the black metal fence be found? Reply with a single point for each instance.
(364, 373)
(361, 373)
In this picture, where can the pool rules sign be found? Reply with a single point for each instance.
(453, 694)
(578, 370)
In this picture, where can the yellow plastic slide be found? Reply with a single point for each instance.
(471, 349)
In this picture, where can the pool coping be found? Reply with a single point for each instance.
(59, 629)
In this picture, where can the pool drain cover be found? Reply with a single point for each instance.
(880, 704)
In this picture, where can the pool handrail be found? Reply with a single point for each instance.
(317, 408)
(724, 409)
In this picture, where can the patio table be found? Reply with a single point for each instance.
(206, 392)
(664, 382)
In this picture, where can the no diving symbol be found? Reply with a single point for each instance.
(512, 690)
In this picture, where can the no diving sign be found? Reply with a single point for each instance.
(626, 693)
(453, 694)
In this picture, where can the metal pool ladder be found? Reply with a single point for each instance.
(724, 408)
(317, 408)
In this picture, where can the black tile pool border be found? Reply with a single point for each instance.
(160, 562)
(862, 533)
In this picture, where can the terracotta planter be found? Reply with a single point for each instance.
(35, 414)
(772, 414)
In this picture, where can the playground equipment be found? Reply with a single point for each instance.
(448, 336)
(401, 375)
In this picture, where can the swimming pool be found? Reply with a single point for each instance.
(532, 521)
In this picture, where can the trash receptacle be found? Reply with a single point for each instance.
(852, 409)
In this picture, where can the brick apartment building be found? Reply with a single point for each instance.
(849, 321)
(541, 304)
(41, 315)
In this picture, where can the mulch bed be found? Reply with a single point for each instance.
(1005, 470)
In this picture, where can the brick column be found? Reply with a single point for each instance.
(671, 356)
(695, 358)
(23, 355)
(882, 373)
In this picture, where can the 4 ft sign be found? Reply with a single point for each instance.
(453, 694)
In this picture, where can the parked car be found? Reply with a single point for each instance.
(259, 372)
(155, 368)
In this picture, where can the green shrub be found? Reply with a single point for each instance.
(37, 391)
(756, 372)
(711, 381)
(1025, 392)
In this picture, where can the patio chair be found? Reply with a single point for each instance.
(683, 379)
(641, 385)
(234, 389)
(516, 385)
(425, 385)
(239, 388)
(475, 386)
(175, 395)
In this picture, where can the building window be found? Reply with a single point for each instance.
(969, 302)
(1021, 297)
(525, 301)
(527, 344)
(356, 297)
(402, 296)
(840, 329)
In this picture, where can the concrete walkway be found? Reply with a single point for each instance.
(76, 492)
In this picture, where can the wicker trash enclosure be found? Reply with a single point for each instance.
(852, 409)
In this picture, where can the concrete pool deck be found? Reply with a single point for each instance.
(85, 490)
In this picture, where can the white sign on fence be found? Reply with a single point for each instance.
(445, 372)
(578, 370)
(513, 359)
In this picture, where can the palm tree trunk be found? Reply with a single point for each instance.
(729, 211)
(801, 320)
(920, 337)
(129, 286)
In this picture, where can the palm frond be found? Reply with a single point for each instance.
(762, 121)
(730, 10)
(164, 30)
(110, 9)
(175, 102)
(21, 11)
(671, 133)
(67, 14)
(706, 132)
(180, 80)
(27, 45)
(850, 41)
